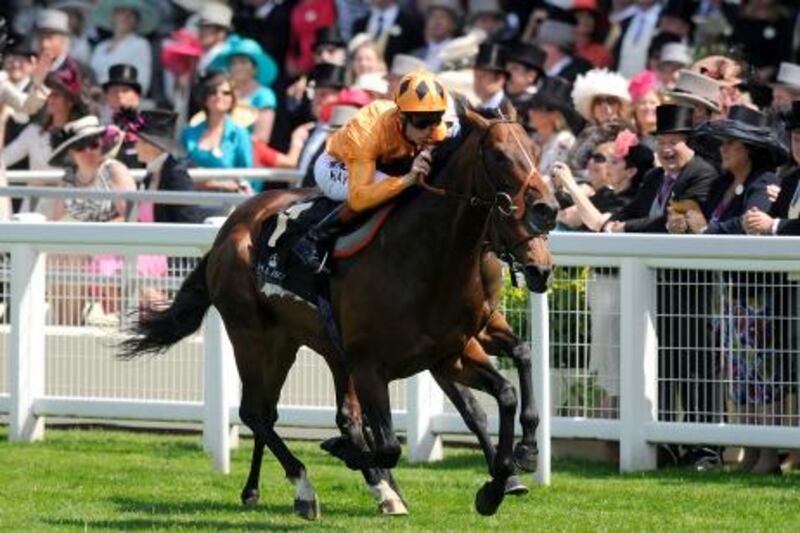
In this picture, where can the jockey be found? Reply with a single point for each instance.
(382, 133)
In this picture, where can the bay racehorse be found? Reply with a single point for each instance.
(413, 300)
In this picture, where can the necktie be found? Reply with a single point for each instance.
(666, 188)
(379, 26)
(638, 26)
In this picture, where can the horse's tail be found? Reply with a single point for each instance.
(158, 329)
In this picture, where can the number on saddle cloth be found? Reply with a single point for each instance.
(278, 271)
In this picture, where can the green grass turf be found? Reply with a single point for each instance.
(118, 480)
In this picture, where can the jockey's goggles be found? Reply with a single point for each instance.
(423, 121)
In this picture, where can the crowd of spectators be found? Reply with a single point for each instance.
(671, 116)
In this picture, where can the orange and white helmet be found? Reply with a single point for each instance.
(421, 92)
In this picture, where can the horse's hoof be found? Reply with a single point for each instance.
(393, 507)
(515, 487)
(488, 499)
(343, 449)
(250, 497)
(307, 509)
(526, 457)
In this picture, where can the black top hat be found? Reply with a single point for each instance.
(158, 128)
(793, 117)
(529, 55)
(671, 118)
(328, 35)
(123, 74)
(554, 93)
(491, 56)
(19, 45)
(682, 9)
(328, 75)
(750, 127)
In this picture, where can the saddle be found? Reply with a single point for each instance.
(279, 272)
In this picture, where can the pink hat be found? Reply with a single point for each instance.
(180, 52)
(641, 84)
(623, 143)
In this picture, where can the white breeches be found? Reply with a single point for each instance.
(331, 177)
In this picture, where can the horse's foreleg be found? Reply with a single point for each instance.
(499, 339)
(373, 395)
(475, 418)
(477, 371)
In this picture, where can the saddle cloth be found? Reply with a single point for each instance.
(279, 272)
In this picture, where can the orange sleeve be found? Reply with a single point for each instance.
(363, 192)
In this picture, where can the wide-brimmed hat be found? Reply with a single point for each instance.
(52, 21)
(180, 53)
(793, 117)
(788, 76)
(159, 128)
(750, 127)
(266, 68)
(329, 35)
(696, 89)
(149, 19)
(402, 64)
(595, 83)
(216, 14)
(123, 74)
(491, 56)
(529, 55)
(328, 75)
(82, 129)
(672, 118)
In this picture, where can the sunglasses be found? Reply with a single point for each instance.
(88, 144)
(597, 157)
(425, 121)
(222, 92)
(610, 100)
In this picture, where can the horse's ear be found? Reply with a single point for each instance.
(509, 112)
(475, 119)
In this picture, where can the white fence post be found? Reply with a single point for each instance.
(540, 345)
(26, 358)
(425, 400)
(219, 388)
(638, 365)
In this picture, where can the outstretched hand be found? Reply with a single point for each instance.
(562, 175)
(42, 67)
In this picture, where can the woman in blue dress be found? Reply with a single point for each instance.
(252, 73)
(217, 142)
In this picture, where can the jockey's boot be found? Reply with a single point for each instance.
(312, 249)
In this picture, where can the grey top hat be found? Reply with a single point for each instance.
(485, 7)
(789, 76)
(52, 20)
(696, 89)
(675, 53)
(557, 33)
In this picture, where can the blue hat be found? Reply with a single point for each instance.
(266, 69)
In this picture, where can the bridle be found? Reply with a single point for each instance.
(502, 204)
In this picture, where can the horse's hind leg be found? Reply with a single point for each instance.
(475, 418)
(264, 360)
(499, 339)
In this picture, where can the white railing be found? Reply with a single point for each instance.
(420, 411)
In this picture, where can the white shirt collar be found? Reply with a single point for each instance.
(265, 9)
(494, 101)
(559, 65)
